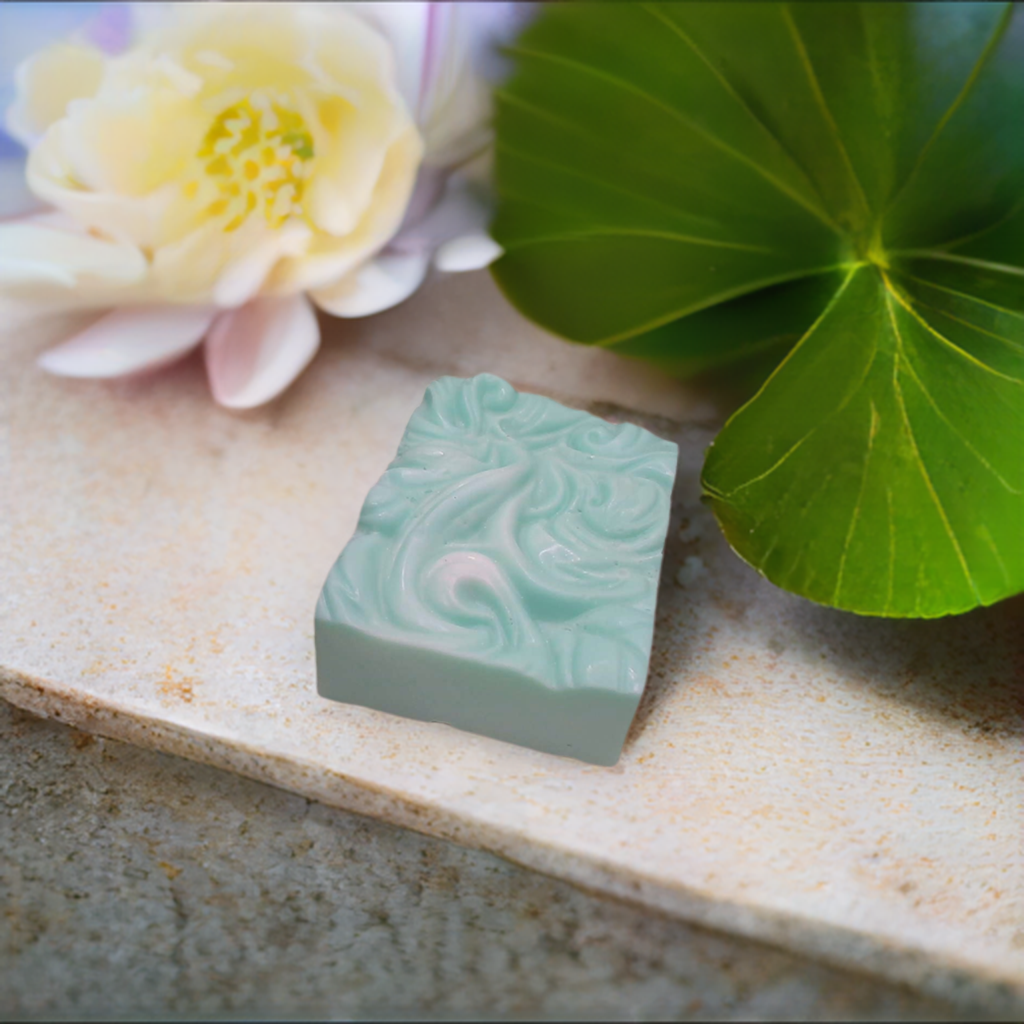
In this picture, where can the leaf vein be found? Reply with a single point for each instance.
(969, 261)
(819, 96)
(825, 481)
(991, 545)
(855, 516)
(969, 298)
(713, 139)
(818, 210)
(771, 469)
(955, 105)
(908, 366)
(898, 391)
(713, 300)
(532, 158)
(975, 235)
(598, 232)
(671, 236)
(981, 330)
(894, 292)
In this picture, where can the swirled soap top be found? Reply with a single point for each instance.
(514, 531)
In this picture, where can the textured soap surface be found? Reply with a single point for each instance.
(504, 573)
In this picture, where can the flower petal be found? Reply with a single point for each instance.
(134, 219)
(244, 278)
(134, 136)
(455, 101)
(47, 82)
(460, 211)
(130, 339)
(470, 252)
(255, 352)
(26, 28)
(441, 50)
(378, 285)
(406, 27)
(356, 122)
(429, 187)
(328, 259)
(44, 258)
(455, 228)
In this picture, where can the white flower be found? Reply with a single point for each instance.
(237, 159)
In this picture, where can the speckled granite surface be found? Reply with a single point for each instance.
(137, 885)
(845, 788)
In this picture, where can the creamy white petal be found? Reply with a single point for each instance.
(47, 82)
(209, 258)
(406, 27)
(384, 282)
(355, 113)
(253, 353)
(42, 258)
(134, 136)
(130, 339)
(330, 259)
(27, 28)
(244, 278)
(354, 146)
(138, 219)
(470, 252)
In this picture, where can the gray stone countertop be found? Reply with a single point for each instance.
(139, 885)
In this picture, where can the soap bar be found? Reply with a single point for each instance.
(504, 573)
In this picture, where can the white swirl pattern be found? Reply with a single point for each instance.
(512, 530)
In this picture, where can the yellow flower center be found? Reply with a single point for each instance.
(253, 159)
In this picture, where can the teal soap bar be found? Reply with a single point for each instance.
(504, 573)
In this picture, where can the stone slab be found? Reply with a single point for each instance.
(846, 788)
(141, 887)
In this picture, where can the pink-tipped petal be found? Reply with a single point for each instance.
(255, 352)
(128, 340)
(384, 282)
(470, 252)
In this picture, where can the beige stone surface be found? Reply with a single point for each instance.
(847, 788)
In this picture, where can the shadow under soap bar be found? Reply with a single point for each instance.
(504, 573)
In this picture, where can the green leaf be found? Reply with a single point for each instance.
(769, 320)
(699, 183)
(885, 477)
